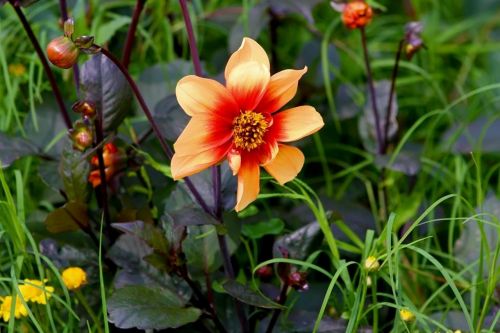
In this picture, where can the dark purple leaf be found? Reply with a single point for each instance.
(249, 296)
(71, 217)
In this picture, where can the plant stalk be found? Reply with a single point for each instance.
(166, 149)
(388, 115)
(195, 56)
(45, 64)
(216, 171)
(371, 86)
(102, 171)
(277, 312)
(139, 6)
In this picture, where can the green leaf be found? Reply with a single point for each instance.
(108, 30)
(74, 170)
(12, 148)
(103, 84)
(249, 296)
(273, 226)
(71, 217)
(149, 308)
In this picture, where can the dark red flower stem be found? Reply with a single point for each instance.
(216, 171)
(371, 86)
(166, 149)
(45, 64)
(395, 71)
(64, 16)
(183, 272)
(102, 171)
(277, 312)
(191, 39)
(139, 6)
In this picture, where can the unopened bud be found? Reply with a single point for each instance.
(357, 14)
(62, 52)
(82, 136)
(87, 109)
(297, 280)
(406, 315)
(265, 272)
(413, 39)
(69, 27)
(372, 264)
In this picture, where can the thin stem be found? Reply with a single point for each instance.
(277, 312)
(166, 149)
(191, 39)
(228, 268)
(372, 90)
(102, 171)
(183, 272)
(391, 95)
(89, 310)
(64, 10)
(45, 64)
(139, 6)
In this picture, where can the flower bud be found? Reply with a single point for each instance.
(372, 264)
(406, 315)
(62, 52)
(81, 135)
(413, 39)
(87, 109)
(265, 272)
(357, 14)
(297, 280)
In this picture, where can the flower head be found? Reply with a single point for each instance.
(114, 159)
(36, 291)
(19, 308)
(413, 38)
(406, 315)
(240, 122)
(74, 277)
(356, 14)
(17, 69)
(372, 264)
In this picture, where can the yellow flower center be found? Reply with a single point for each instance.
(249, 129)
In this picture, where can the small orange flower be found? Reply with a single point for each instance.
(114, 159)
(357, 14)
(240, 122)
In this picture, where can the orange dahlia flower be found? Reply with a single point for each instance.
(240, 122)
(357, 14)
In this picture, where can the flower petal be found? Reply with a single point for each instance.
(281, 89)
(249, 51)
(197, 95)
(234, 160)
(248, 183)
(294, 124)
(202, 133)
(187, 165)
(248, 83)
(287, 164)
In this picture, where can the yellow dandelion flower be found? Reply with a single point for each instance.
(406, 315)
(74, 277)
(19, 309)
(36, 291)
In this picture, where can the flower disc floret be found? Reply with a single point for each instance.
(249, 129)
